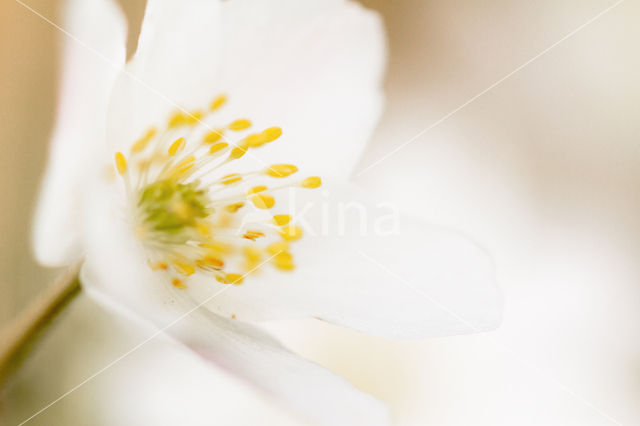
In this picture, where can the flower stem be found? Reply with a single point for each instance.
(21, 333)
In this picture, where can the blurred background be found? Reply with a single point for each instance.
(543, 169)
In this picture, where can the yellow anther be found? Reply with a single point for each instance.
(253, 235)
(281, 170)
(232, 208)
(263, 201)
(252, 254)
(177, 119)
(254, 140)
(271, 134)
(217, 147)
(240, 124)
(178, 283)
(256, 189)
(155, 266)
(217, 247)
(235, 279)
(218, 102)
(281, 219)
(194, 117)
(237, 152)
(213, 136)
(121, 163)
(186, 162)
(253, 257)
(180, 169)
(311, 182)
(177, 146)
(142, 143)
(230, 179)
(204, 228)
(278, 247)
(291, 232)
(211, 262)
(184, 268)
(283, 261)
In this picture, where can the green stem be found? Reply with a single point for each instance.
(17, 337)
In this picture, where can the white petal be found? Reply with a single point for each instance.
(124, 283)
(313, 68)
(316, 394)
(91, 61)
(421, 281)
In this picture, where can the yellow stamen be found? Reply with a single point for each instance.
(253, 257)
(240, 124)
(217, 247)
(283, 261)
(311, 182)
(237, 152)
(211, 262)
(178, 283)
(121, 163)
(213, 136)
(253, 235)
(276, 248)
(218, 102)
(204, 229)
(281, 219)
(184, 268)
(156, 266)
(142, 143)
(217, 147)
(194, 117)
(182, 168)
(232, 208)
(271, 134)
(256, 189)
(176, 146)
(263, 201)
(230, 179)
(281, 170)
(291, 232)
(235, 279)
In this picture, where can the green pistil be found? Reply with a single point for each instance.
(173, 208)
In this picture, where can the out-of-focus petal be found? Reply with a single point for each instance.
(359, 271)
(313, 68)
(94, 52)
(315, 393)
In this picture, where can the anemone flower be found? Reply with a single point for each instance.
(174, 176)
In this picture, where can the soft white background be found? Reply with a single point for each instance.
(543, 169)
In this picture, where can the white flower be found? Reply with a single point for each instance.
(172, 229)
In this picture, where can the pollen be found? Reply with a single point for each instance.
(195, 213)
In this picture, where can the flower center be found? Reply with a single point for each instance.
(170, 209)
(192, 215)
